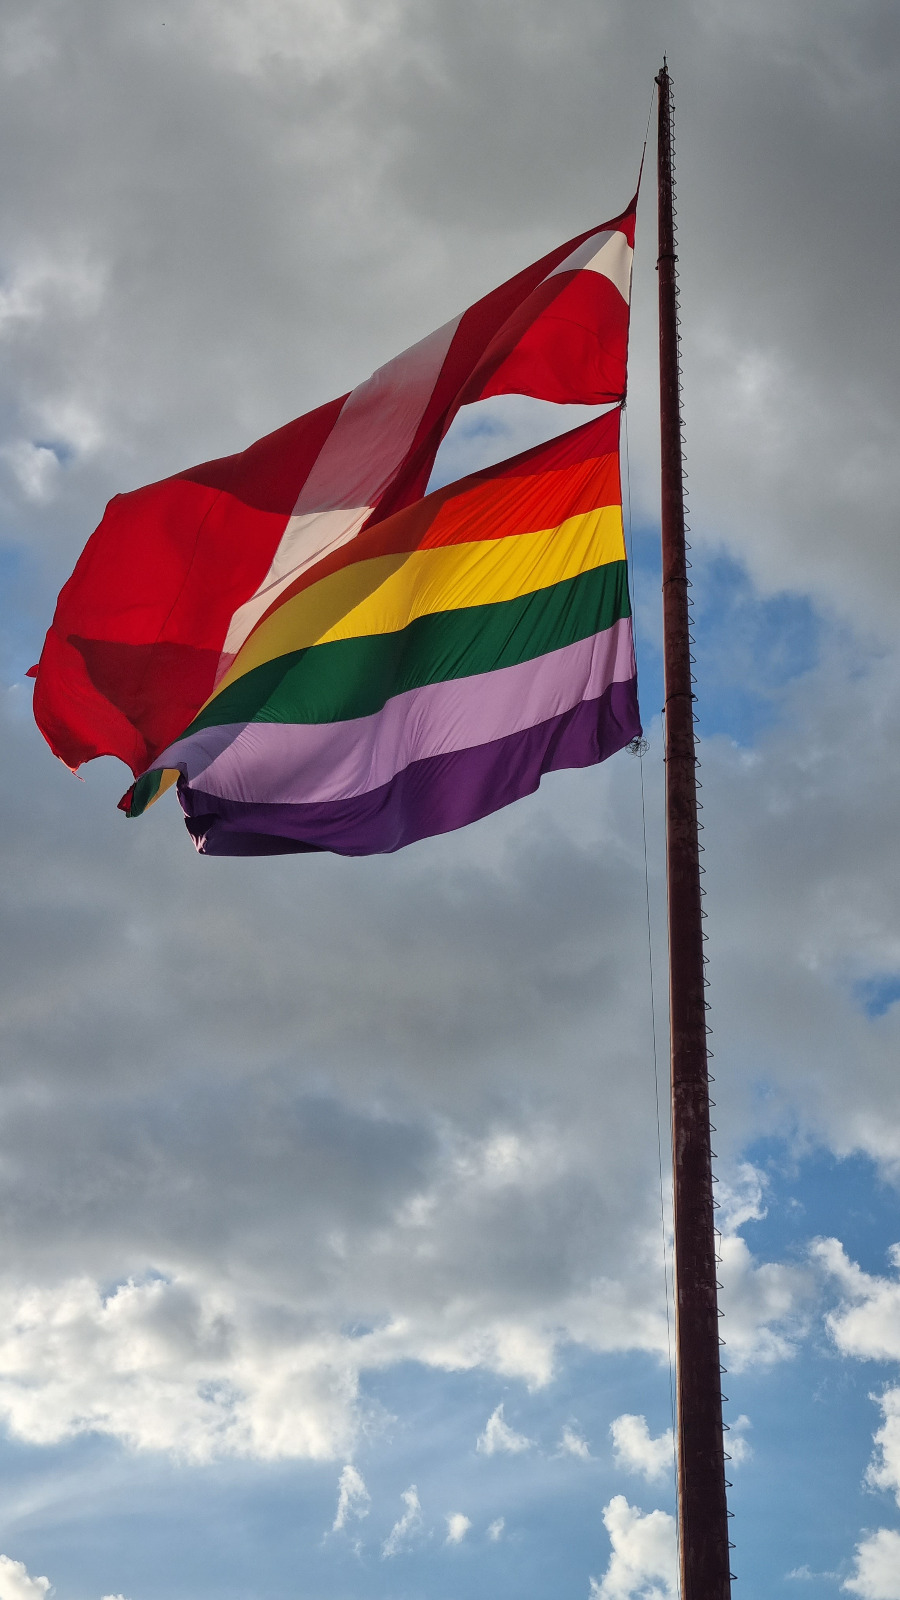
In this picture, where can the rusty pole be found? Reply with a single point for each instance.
(702, 1509)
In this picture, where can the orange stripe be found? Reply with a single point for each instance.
(495, 509)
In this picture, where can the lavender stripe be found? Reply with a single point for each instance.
(429, 797)
(281, 763)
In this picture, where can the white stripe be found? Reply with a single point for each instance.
(305, 541)
(607, 253)
(376, 427)
(371, 437)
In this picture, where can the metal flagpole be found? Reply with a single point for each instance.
(702, 1509)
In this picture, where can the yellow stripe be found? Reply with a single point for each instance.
(387, 593)
(170, 775)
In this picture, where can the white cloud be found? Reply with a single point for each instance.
(740, 1196)
(877, 1567)
(866, 1324)
(495, 1529)
(175, 1365)
(642, 1562)
(884, 1469)
(72, 421)
(572, 1444)
(354, 1499)
(16, 1584)
(765, 1305)
(458, 1526)
(35, 468)
(408, 1527)
(498, 1436)
(40, 286)
(636, 1451)
(737, 1445)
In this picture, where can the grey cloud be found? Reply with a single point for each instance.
(291, 1083)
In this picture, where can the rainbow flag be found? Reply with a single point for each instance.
(427, 673)
(179, 573)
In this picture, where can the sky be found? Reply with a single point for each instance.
(333, 1204)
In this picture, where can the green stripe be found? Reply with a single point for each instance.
(355, 677)
(143, 792)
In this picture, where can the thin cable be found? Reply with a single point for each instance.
(662, 1201)
(650, 115)
(646, 137)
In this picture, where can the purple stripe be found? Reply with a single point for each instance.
(282, 763)
(429, 797)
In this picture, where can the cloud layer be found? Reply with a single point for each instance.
(269, 1129)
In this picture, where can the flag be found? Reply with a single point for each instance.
(427, 673)
(179, 574)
